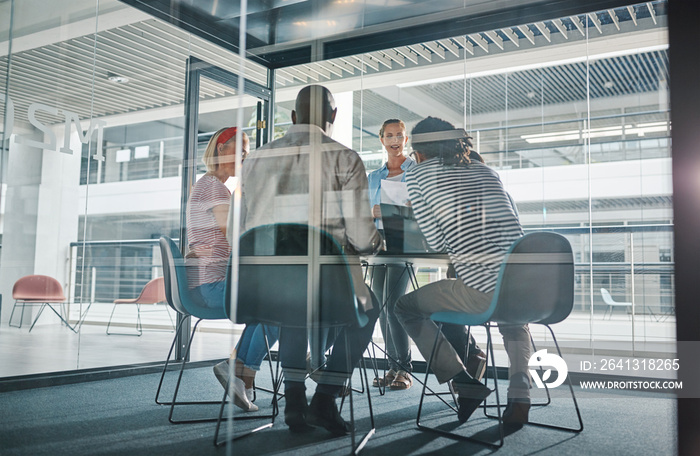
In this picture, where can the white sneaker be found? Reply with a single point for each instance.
(249, 394)
(240, 398)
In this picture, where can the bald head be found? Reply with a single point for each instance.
(315, 106)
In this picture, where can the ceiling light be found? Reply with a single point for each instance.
(115, 78)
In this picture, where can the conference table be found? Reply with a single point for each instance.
(407, 261)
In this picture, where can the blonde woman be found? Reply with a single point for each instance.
(209, 252)
(392, 278)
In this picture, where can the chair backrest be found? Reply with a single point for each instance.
(153, 292)
(274, 275)
(39, 288)
(176, 286)
(607, 298)
(536, 281)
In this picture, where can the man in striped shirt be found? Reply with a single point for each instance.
(463, 210)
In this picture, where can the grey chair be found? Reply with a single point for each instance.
(535, 286)
(608, 299)
(274, 273)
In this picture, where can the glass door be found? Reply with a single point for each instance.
(216, 98)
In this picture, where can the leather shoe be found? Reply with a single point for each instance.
(470, 395)
(516, 413)
(296, 410)
(323, 412)
(476, 365)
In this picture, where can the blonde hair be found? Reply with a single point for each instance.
(211, 156)
(389, 122)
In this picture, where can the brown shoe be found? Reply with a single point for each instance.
(402, 381)
(386, 381)
(476, 365)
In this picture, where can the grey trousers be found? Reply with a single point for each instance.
(395, 279)
(414, 309)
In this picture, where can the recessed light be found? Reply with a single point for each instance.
(115, 78)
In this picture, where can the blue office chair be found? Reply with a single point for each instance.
(535, 285)
(273, 288)
(188, 305)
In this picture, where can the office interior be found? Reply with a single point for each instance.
(108, 106)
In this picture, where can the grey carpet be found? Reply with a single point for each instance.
(119, 416)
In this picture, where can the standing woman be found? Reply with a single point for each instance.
(394, 138)
(208, 253)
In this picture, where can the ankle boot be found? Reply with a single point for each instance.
(323, 412)
(296, 409)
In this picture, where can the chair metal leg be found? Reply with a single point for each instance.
(41, 309)
(139, 328)
(375, 368)
(47, 304)
(276, 384)
(165, 367)
(573, 397)
(454, 435)
(21, 317)
(546, 388)
(357, 448)
(406, 369)
(172, 323)
(179, 381)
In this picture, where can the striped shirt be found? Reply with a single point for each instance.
(208, 249)
(464, 211)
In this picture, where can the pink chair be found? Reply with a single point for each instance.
(38, 290)
(153, 293)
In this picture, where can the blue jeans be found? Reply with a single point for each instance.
(212, 293)
(251, 348)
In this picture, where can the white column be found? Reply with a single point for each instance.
(342, 128)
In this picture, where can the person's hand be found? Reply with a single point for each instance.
(408, 203)
(376, 211)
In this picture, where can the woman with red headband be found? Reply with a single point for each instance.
(209, 252)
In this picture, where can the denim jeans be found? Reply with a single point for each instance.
(212, 293)
(251, 348)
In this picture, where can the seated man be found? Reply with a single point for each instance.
(462, 208)
(276, 183)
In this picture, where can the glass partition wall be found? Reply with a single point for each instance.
(572, 112)
(93, 174)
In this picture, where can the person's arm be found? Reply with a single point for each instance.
(221, 215)
(374, 180)
(360, 229)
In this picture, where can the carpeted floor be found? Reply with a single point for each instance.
(119, 416)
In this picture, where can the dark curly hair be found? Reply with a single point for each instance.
(452, 149)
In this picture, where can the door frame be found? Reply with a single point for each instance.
(196, 69)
